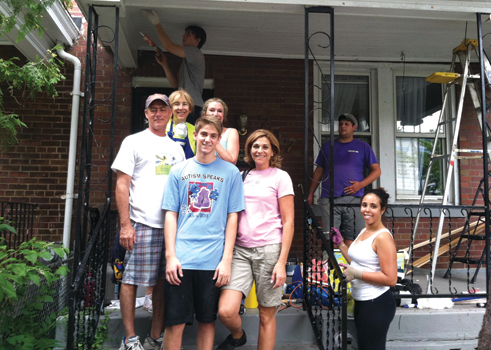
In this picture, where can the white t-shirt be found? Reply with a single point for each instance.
(260, 224)
(148, 159)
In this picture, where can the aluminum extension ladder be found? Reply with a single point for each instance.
(470, 82)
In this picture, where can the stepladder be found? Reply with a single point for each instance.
(469, 85)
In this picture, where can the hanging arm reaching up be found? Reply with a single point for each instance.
(175, 49)
(162, 60)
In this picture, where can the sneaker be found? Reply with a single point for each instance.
(242, 310)
(231, 343)
(147, 304)
(153, 344)
(132, 344)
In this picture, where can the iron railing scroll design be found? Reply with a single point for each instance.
(21, 217)
(93, 224)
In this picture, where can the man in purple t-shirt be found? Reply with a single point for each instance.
(351, 157)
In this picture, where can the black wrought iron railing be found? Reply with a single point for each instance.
(94, 220)
(324, 287)
(87, 291)
(21, 217)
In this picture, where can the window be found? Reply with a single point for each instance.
(351, 95)
(419, 105)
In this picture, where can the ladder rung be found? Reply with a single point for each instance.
(438, 156)
(468, 157)
(469, 150)
(469, 260)
(442, 77)
(448, 121)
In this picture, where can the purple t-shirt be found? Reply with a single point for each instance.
(350, 159)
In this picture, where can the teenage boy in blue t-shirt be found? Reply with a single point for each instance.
(203, 198)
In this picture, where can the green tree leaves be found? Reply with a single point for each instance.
(29, 79)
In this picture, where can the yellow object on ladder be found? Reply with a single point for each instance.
(442, 77)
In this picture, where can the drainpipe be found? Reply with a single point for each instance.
(72, 153)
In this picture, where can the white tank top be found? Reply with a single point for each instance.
(363, 258)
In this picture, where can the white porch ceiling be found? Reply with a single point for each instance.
(426, 31)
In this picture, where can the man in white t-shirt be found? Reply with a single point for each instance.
(143, 165)
(192, 73)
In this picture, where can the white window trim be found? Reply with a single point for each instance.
(382, 116)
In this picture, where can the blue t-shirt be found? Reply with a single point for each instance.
(203, 195)
(350, 159)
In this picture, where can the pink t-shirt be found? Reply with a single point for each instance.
(260, 224)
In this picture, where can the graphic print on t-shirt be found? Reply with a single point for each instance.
(201, 196)
(164, 163)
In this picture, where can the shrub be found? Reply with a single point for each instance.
(22, 325)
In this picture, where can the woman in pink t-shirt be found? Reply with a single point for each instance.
(263, 242)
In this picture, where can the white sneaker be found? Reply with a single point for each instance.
(153, 344)
(132, 344)
(147, 304)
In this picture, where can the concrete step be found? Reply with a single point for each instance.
(457, 328)
(414, 329)
(293, 329)
(297, 346)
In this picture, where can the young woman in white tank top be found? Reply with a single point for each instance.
(372, 270)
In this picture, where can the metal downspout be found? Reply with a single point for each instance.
(69, 196)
